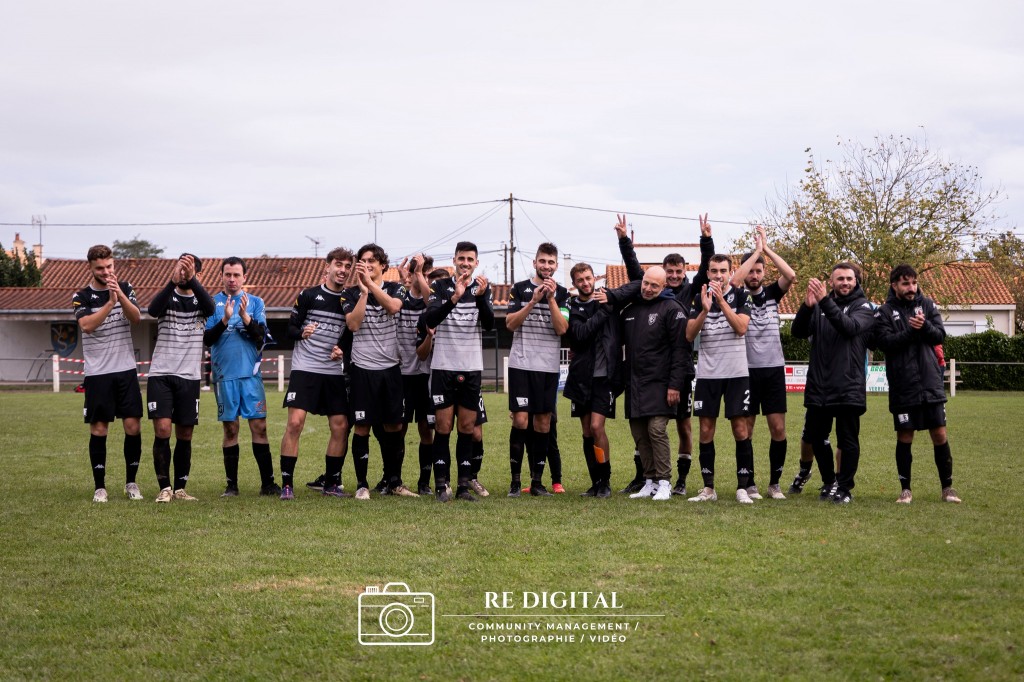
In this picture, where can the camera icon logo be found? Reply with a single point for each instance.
(395, 616)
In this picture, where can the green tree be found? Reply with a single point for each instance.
(1006, 253)
(15, 273)
(895, 201)
(136, 248)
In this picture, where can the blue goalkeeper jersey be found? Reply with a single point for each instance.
(236, 355)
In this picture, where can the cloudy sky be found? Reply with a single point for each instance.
(161, 112)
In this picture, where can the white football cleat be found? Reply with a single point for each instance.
(646, 491)
(705, 495)
(743, 497)
(165, 495)
(100, 495)
(132, 492)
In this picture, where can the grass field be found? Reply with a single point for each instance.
(253, 588)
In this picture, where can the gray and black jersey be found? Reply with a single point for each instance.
(535, 345)
(722, 353)
(764, 345)
(458, 327)
(321, 306)
(109, 347)
(408, 318)
(181, 320)
(375, 343)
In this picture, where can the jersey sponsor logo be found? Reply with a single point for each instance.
(290, 396)
(318, 298)
(527, 291)
(93, 297)
(522, 402)
(652, 318)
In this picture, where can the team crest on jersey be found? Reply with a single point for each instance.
(730, 298)
(652, 318)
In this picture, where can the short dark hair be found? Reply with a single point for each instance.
(428, 263)
(99, 252)
(547, 248)
(747, 256)
(466, 246)
(900, 271)
(232, 260)
(578, 268)
(340, 253)
(673, 259)
(846, 265)
(379, 254)
(440, 273)
(721, 258)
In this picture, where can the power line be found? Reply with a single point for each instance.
(535, 225)
(613, 210)
(259, 220)
(463, 228)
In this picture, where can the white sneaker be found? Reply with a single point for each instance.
(705, 495)
(664, 491)
(100, 495)
(775, 492)
(165, 495)
(906, 497)
(743, 497)
(132, 492)
(363, 494)
(646, 491)
(753, 494)
(180, 494)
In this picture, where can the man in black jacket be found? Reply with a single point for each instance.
(653, 328)
(594, 379)
(908, 329)
(684, 291)
(839, 325)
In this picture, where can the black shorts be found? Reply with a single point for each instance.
(448, 387)
(685, 407)
(602, 400)
(112, 396)
(533, 392)
(767, 390)
(174, 398)
(707, 398)
(481, 412)
(416, 389)
(376, 395)
(316, 393)
(920, 417)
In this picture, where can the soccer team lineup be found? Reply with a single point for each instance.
(379, 358)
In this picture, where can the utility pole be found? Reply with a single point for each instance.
(511, 240)
(376, 217)
(504, 251)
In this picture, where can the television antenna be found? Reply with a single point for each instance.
(316, 244)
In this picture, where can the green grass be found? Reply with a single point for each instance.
(253, 588)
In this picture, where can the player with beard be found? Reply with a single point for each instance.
(459, 311)
(105, 310)
(317, 381)
(371, 314)
(722, 373)
(172, 390)
(908, 329)
(764, 352)
(594, 380)
(537, 316)
(839, 325)
(684, 290)
(236, 339)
